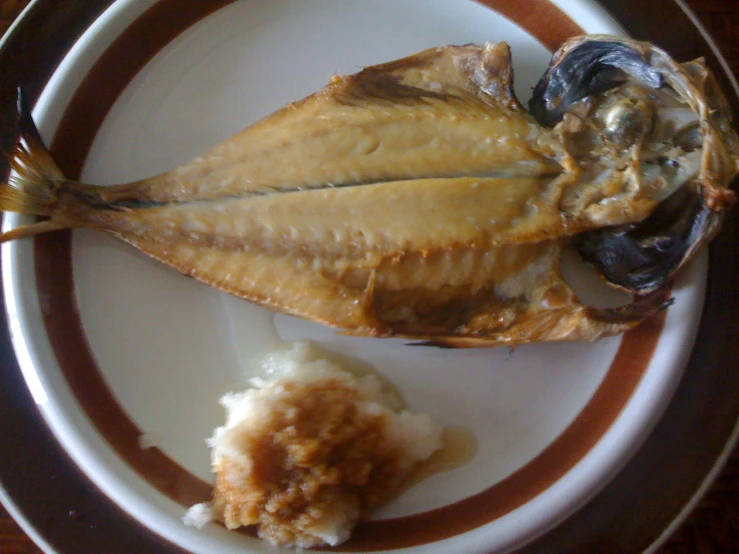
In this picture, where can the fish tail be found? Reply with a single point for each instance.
(34, 185)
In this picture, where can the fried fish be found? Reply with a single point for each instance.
(420, 199)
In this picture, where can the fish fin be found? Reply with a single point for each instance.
(32, 229)
(13, 199)
(456, 343)
(37, 174)
(35, 182)
(641, 308)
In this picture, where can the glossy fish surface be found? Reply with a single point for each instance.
(420, 199)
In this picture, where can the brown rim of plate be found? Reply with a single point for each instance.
(75, 134)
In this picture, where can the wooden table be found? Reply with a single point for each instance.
(713, 528)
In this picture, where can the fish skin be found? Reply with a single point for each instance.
(414, 199)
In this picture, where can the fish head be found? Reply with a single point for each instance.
(653, 139)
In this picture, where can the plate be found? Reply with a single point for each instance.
(125, 359)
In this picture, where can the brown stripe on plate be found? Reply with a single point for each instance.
(540, 18)
(116, 67)
(101, 87)
(159, 25)
(53, 254)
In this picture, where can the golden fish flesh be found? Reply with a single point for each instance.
(420, 199)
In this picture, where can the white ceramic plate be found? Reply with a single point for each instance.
(114, 345)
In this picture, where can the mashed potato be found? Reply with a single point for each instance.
(311, 449)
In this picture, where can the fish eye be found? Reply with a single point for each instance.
(627, 120)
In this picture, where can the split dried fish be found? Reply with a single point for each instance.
(420, 199)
